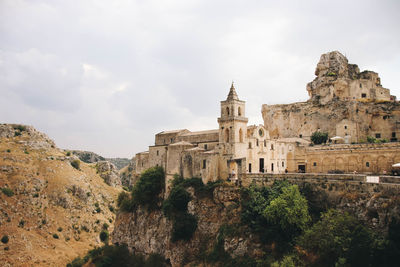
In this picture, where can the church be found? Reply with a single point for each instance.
(232, 149)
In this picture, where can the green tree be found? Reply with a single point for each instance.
(338, 238)
(289, 210)
(148, 188)
(319, 137)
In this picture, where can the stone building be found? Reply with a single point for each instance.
(232, 149)
(347, 104)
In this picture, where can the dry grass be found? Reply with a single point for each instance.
(49, 194)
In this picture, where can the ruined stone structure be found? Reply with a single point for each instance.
(343, 102)
(350, 106)
(232, 149)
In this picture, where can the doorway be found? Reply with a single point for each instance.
(261, 165)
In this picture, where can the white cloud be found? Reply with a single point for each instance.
(107, 75)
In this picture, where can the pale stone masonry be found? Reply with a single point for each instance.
(347, 104)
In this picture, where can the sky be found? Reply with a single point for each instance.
(106, 76)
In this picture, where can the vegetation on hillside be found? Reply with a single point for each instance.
(118, 256)
(319, 137)
(146, 192)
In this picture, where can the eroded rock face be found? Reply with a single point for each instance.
(151, 232)
(108, 172)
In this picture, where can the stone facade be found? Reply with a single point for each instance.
(232, 149)
(347, 104)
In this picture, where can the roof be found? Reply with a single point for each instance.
(201, 132)
(174, 131)
(232, 94)
(182, 143)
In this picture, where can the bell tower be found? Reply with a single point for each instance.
(233, 126)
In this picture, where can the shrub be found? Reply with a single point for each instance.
(55, 236)
(319, 137)
(338, 237)
(68, 153)
(21, 223)
(59, 229)
(278, 213)
(148, 188)
(16, 133)
(9, 150)
(183, 227)
(371, 139)
(20, 128)
(175, 208)
(105, 226)
(7, 191)
(4, 239)
(104, 236)
(76, 164)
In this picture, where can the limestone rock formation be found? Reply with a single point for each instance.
(108, 172)
(343, 102)
(34, 139)
(148, 233)
(88, 156)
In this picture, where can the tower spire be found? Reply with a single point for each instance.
(232, 93)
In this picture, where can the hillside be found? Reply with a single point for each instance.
(50, 211)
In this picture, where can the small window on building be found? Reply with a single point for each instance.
(363, 95)
(393, 134)
(172, 140)
(249, 167)
(142, 163)
(300, 135)
(265, 143)
(314, 164)
(345, 126)
(249, 144)
(157, 152)
(272, 167)
(272, 147)
(283, 164)
(360, 85)
(227, 111)
(377, 135)
(257, 142)
(205, 146)
(367, 164)
(204, 163)
(239, 112)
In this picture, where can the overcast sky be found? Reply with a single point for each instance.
(106, 76)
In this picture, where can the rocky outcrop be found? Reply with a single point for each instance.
(108, 172)
(343, 101)
(33, 138)
(128, 174)
(87, 156)
(147, 233)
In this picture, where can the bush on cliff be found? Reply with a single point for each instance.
(277, 214)
(175, 208)
(338, 238)
(118, 256)
(146, 192)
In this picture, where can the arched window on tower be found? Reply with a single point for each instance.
(227, 111)
(226, 135)
(240, 135)
(239, 112)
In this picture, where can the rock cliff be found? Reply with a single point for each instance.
(147, 233)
